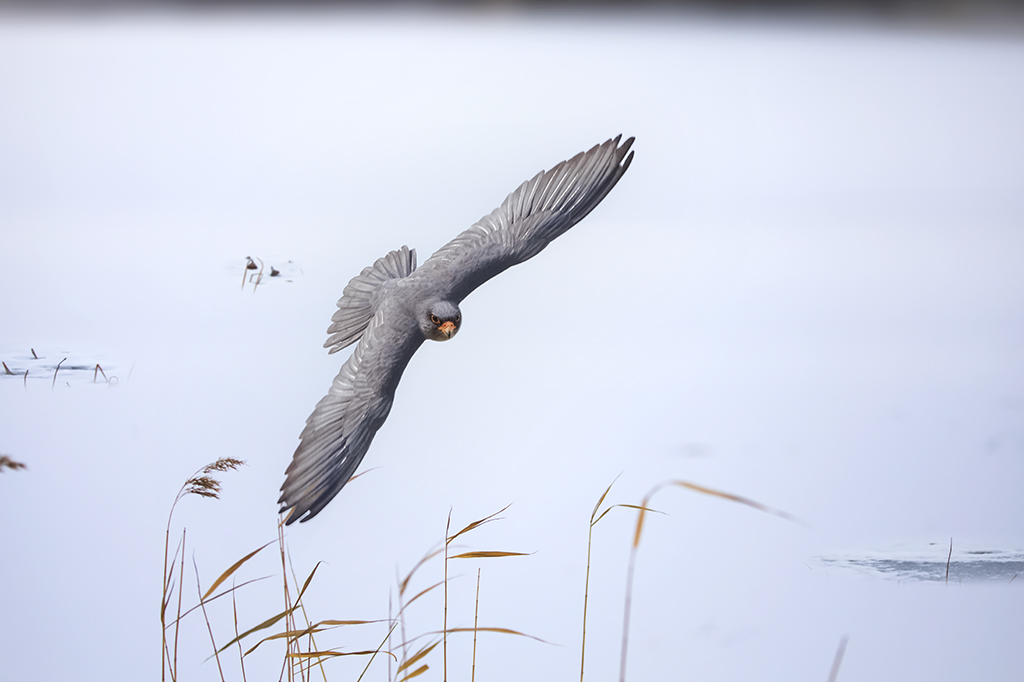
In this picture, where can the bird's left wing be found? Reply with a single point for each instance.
(528, 220)
(339, 432)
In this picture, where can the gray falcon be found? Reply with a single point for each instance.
(392, 307)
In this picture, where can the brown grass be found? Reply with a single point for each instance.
(8, 463)
(407, 659)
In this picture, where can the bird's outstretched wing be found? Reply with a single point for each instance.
(528, 220)
(358, 302)
(344, 422)
(339, 432)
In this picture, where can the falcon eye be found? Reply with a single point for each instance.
(435, 319)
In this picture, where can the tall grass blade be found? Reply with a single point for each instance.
(418, 595)
(644, 508)
(476, 621)
(416, 673)
(287, 554)
(209, 628)
(57, 369)
(601, 499)
(379, 648)
(834, 672)
(478, 523)
(393, 621)
(322, 626)
(444, 635)
(262, 626)
(275, 618)
(594, 518)
(216, 597)
(626, 506)
(234, 567)
(331, 654)
(949, 557)
(486, 555)
(415, 658)
(234, 613)
(404, 584)
(287, 634)
(503, 631)
(706, 491)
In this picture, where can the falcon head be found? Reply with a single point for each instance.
(440, 320)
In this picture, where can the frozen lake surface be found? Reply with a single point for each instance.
(806, 291)
(929, 563)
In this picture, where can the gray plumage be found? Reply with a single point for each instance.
(392, 307)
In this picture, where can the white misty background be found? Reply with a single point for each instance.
(807, 290)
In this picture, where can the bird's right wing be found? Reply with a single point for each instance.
(528, 220)
(344, 422)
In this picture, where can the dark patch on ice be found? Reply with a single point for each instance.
(258, 271)
(975, 565)
(69, 367)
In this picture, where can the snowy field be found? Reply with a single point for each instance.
(808, 290)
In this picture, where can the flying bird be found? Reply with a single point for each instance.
(392, 307)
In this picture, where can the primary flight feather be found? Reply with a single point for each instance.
(392, 307)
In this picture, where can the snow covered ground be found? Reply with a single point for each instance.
(807, 291)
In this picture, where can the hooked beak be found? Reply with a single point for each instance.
(447, 328)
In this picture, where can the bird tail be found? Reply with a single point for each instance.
(355, 307)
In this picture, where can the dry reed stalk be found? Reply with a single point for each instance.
(234, 613)
(465, 555)
(476, 622)
(586, 582)
(259, 275)
(444, 633)
(206, 617)
(626, 612)
(177, 620)
(416, 658)
(310, 628)
(402, 587)
(948, 558)
(392, 622)
(234, 567)
(374, 655)
(8, 463)
(249, 265)
(643, 507)
(834, 672)
(57, 369)
(214, 598)
(408, 661)
(287, 597)
(200, 483)
(165, 600)
(594, 519)
(292, 635)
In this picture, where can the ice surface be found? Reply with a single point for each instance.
(806, 291)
